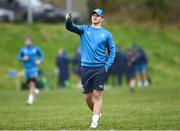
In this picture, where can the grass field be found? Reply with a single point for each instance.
(156, 107)
(150, 108)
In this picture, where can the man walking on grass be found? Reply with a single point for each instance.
(97, 55)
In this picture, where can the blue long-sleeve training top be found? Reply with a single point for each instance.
(93, 45)
(33, 53)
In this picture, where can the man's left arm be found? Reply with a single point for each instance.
(40, 55)
(21, 55)
(111, 50)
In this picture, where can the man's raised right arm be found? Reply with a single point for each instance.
(71, 27)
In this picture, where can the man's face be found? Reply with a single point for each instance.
(28, 42)
(96, 19)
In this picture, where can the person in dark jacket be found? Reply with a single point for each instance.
(76, 62)
(118, 67)
(130, 60)
(62, 62)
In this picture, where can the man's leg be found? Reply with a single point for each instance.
(97, 96)
(144, 75)
(97, 102)
(132, 84)
(31, 87)
(140, 80)
(145, 79)
(89, 100)
(33, 91)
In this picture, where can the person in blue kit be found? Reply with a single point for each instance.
(95, 42)
(141, 66)
(62, 62)
(31, 56)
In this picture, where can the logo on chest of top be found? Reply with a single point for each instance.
(99, 36)
(34, 51)
(88, 32)
(102, 35)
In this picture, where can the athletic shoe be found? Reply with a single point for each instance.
(94, 125)
(30, 100)
(100, 115)
(146, 83)
(36, 92)
(29, 103)
(140, 84)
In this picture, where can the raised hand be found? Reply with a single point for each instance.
(38, 62)
(68, 16)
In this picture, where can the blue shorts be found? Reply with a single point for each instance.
(92, 78)
(31, 73)
(141, 68)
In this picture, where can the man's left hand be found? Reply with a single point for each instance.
(38, 62)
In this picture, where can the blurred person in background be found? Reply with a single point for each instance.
(94, 40)
(130, 59)
(141, 66)
(117, 69)
(62, 63)
(31, 56)
(76, 62)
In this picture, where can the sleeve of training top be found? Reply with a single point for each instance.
(74, 28)
(21, 55)
(111, 49)
(40, 54)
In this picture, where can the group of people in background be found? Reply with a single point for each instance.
(136, 62)
(131, 65)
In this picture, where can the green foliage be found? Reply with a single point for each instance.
(157, 11)
(162, 46)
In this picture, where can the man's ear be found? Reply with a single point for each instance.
(102, 19)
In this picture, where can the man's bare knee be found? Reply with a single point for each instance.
(97, 95)
(32, 84)
(88, 97)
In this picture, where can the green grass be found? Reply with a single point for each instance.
(156, 107)
(150, 108)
